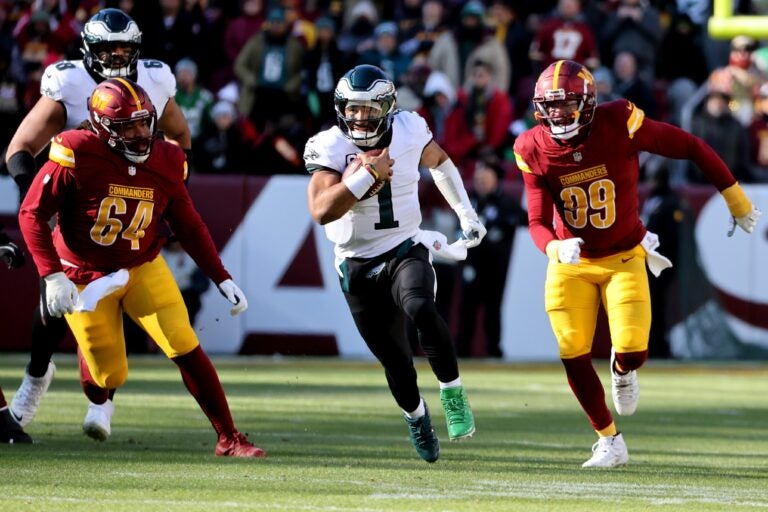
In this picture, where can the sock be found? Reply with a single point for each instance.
(418, 412)
(452, 384)
(47, 333)
(609, 431)
(95, 393)
(203, 383)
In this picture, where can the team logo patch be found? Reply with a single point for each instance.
(132, 170)
(375, 271)
(577, 156)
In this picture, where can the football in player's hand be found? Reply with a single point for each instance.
(357, 165)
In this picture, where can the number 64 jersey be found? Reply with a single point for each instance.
(109, 210)
(375, 225)
(69, 83)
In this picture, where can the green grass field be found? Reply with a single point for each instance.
(337, 442)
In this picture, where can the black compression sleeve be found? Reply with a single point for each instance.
(22, 167)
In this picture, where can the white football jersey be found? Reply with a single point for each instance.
(68, 82)
(375, 225)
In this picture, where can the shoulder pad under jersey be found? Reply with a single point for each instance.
(414, 125)
(158, 80)
(329, 149)
(66, 79)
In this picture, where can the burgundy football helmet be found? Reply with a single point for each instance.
(565, 84)
(114, 107)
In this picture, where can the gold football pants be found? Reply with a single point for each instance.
(153, 300)
(573, 294)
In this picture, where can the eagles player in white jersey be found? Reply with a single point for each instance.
(385, 273)
(111, 41)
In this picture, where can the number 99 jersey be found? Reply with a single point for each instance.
(69, 83)
(380, 223)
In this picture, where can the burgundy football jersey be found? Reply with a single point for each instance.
(592, 182)
(110, 209)
(565, 40)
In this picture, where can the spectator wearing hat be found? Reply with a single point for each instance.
(484, 272)
(194, 100)
(605, 85)
(477, 43)
(242, 28)
(719, 128)
(432, 39)
(740, 79)
(513, 34)
(323, 66)
(385, 53)
(356, 35)
(480, 119)
(226, 147)
(185, 32)
(758, 136)
(439, 99)
(634, 26)
(268, 69)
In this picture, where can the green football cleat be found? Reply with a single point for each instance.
(458, 415)
(423, 437)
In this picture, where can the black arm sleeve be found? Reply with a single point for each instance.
(22, 168)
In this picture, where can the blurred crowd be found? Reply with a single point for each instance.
(256, 77)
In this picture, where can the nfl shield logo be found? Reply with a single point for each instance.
(577, 156)
(132, 170)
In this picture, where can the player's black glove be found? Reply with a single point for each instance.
(10, 253)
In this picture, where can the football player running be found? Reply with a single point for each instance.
(111, 186)
(111, 41)
(581, 162)
(386, 274)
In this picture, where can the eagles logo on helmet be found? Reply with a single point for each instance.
(564, 98)
(365, 86)
(101, 35)
(113, 106)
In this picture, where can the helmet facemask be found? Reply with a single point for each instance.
(105, 61)
(564, 118)
(134, 148)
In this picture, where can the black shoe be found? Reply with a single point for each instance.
(423, 437)
(10, 431)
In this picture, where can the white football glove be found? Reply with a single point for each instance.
(746, 222)
(60, 294)
(472, 229)
(234, 295)
(568, 250)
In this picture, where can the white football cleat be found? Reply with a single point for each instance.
(98, 420)
(608, 452)
(625, 389)
(27, 398)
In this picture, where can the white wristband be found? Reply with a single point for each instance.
(359, 182)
